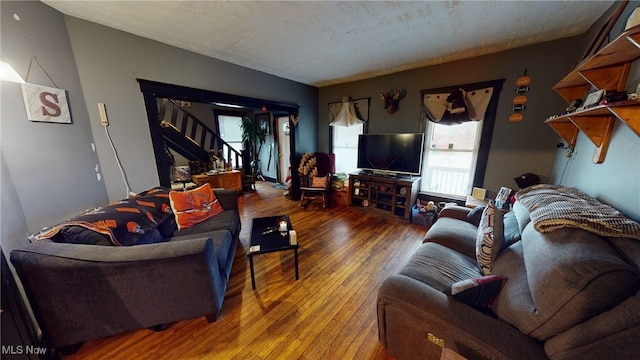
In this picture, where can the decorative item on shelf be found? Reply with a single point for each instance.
(593, 99)
(576, 104)
(614, 96)
(392, 99)
(503, 197)
(519, 101)
(479, 193)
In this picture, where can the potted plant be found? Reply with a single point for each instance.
(253, 137)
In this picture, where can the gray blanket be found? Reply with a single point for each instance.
(553, 207)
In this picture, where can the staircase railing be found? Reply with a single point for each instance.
(196, 132)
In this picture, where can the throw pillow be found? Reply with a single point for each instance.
(511, 229)
(475, 215)
(490, 238)
(75, 234)
(319, 181)
(194, 206)
(477, 292)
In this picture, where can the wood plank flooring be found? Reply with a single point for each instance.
(329, 313)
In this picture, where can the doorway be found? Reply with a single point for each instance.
(152, 90)
(284, 148)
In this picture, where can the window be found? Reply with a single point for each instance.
(450, 157)
(456, 147)
(231, 132)
(345, 146)
(348, 120)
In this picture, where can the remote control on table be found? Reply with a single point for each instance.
(269, 231)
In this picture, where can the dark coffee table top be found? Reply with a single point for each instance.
(274, 241)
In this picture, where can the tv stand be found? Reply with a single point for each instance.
(388, 194)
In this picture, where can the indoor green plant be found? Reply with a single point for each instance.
(253, 136)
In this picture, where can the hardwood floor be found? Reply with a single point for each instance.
(329, 313)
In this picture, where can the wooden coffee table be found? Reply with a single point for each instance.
(266, 237)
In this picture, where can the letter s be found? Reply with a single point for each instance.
(52, 105)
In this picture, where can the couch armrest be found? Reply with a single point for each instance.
(455, 211)
(228, 198)
(413, 316)
(612, 334)
(81, 292)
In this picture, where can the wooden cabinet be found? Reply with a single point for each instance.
(226, 180)
(607, 70)
(386, 195)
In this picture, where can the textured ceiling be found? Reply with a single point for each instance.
(323, 43)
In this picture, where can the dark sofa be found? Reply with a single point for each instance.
(569, 293)
(80, 292)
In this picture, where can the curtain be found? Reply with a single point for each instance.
(348, 112)
(457, 106)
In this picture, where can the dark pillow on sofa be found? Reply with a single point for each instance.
(475, 215)
(511, 229)
(151, 237)
(477, 292)
(75, 234)
(168, 227)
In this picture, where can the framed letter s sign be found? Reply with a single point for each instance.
(46, 104)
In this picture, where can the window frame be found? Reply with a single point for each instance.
(487, 127)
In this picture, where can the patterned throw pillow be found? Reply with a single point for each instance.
(194, 206)
(477, 292)
(490, 238)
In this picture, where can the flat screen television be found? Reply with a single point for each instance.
(391, 153)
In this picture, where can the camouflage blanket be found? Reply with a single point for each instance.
(553, 207)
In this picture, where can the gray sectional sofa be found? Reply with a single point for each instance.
(569, 293)
(80, 292)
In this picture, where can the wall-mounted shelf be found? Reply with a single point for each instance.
(608, 69)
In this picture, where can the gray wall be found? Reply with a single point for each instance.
(517, 148)
(48, 171)
(529, 146)
(110, 61)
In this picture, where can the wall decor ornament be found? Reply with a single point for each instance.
(43, 103)
(519, 101)
(46, 104)
(392, 99)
